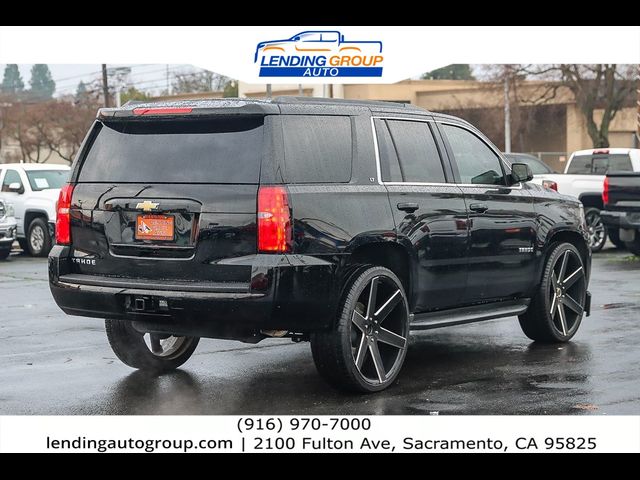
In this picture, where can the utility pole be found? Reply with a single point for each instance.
(300, 90)
(268, 90)
(507, 110)
(168, 84)
(105, 85)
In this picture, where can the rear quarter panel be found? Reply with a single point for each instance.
(334, 219)
(555, 213)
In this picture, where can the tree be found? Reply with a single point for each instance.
(230, 89)
(21, 126)
(81, 91)
(456, 71)
(12, 83)
(42, 85)
(64, 125)
(607, 87)
(133, 94)
(44, 128)
(198, 82)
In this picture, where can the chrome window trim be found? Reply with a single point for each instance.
(376, 149)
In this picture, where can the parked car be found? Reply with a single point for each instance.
(584, 177)
(541, 171)
(33, 190)
(344, 223)
(8, 229)
(621, 198)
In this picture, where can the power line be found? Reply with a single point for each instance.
(153, 81)
(70, 86)
(141, 82)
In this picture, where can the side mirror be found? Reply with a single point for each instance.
(520, 172)
(16, 187)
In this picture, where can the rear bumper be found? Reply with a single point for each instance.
(626, 220)
(286, 292)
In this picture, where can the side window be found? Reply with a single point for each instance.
(11, 177)
(415, 147)
(477, 163)
(389, 164)
(317, 149)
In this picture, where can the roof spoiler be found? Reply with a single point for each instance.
(184, 110)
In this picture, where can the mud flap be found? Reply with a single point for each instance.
(587, 304)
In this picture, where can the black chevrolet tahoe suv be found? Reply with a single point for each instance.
(344, 223)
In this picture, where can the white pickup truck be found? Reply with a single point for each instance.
(32, 189)
(583, 178)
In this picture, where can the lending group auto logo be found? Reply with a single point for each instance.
(319, 54)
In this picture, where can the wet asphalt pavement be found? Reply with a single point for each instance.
(51, 363)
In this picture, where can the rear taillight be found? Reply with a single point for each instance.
(63, 216)
(550, 184)
(605, 191)
(601, 151)
(274, 220)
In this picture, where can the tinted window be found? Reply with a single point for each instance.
(599, 164)
(317, 149)
(389, 164)
(224, 150)
(46, 179)
(417, 151)
(11, 177)
(477, 163)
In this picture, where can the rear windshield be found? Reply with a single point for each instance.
(224, 150)
(47, 179)
(600, 164)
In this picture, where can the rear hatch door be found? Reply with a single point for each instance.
(168, 199)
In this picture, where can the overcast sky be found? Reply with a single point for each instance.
(149, 78)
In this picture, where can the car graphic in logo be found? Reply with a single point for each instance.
(319, 54)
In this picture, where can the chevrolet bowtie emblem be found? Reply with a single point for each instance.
(147, 206)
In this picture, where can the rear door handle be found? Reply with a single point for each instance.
(478, 207)
(408, 207)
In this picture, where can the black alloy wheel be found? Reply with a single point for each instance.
(366, 350)
(556, 312)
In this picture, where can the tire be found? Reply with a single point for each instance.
(614, 236)
(130, 347)
(634, 246)
(556, 310)
(38, 239)
(359, 354)
(595, 227)
(4, 253)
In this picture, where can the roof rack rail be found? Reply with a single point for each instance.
(340, 101)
